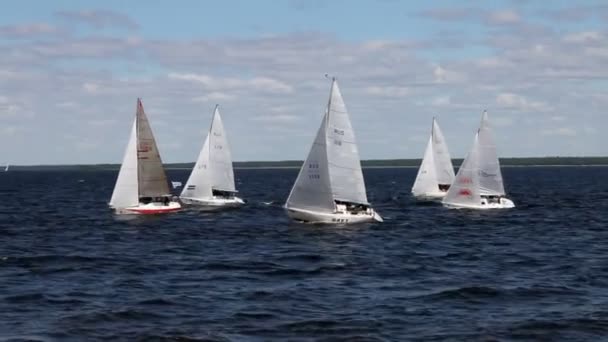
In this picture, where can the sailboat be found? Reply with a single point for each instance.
(142, 186)
(436, 172)
(330, 186)
(6, 168)
(478, 184)
(211, 182)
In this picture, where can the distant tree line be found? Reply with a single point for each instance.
(536, 161)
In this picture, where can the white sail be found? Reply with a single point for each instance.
(426, 179)
(465, 188)
(490, 176)
(346, 177)
(222, 174)
(312, 189)
(199, 182)
(444, 169)
(126, 189)
(6, 168)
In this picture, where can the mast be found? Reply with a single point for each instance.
(137, 144)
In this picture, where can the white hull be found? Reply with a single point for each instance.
(317, 217)
(149, 209)
(214, 202)
(505, 203)
(430, 196)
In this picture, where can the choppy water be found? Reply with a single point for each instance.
(71, 271)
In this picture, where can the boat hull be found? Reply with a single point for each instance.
(341, 218)
(213, 202)
(505, 203)
(430, 196)
(154, 208)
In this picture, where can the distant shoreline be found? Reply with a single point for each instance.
(366, 164)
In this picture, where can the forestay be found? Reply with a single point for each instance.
(152, 178)
(346, 177)
(312, 190)
(222, 174)
(126, 189)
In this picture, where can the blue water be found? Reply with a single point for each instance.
(70, 271)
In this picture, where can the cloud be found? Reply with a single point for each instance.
(99, 18)
(518, 102)
(273, 81)
(388, 91)
(214, 96)
(29, 31)
(561, 132)
(262, 84)
(583, 37)
(501, 17)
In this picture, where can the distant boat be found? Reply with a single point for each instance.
(6, 168)
(436, 172)
(478, 184)
(142, 186)
(330, 186)
(176, 184)
(211, 183)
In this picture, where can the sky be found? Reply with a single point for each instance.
(71, 72)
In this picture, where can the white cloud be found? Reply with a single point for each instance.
(562, 132)
(583, 37)
(262, 84)
(504, 17)
(388, 91)
(518, 102)
(214, 96)
(91, 88)
(441, 101)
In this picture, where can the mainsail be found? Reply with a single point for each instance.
(345, 173)
(490, 176)
(222, 174)
(151, 174)
(126, 189)
(332, 170)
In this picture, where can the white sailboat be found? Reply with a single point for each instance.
(436, 172)
(211, 182)
(6, 168)
(330, 186)
(478, 184)
(142, 186)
